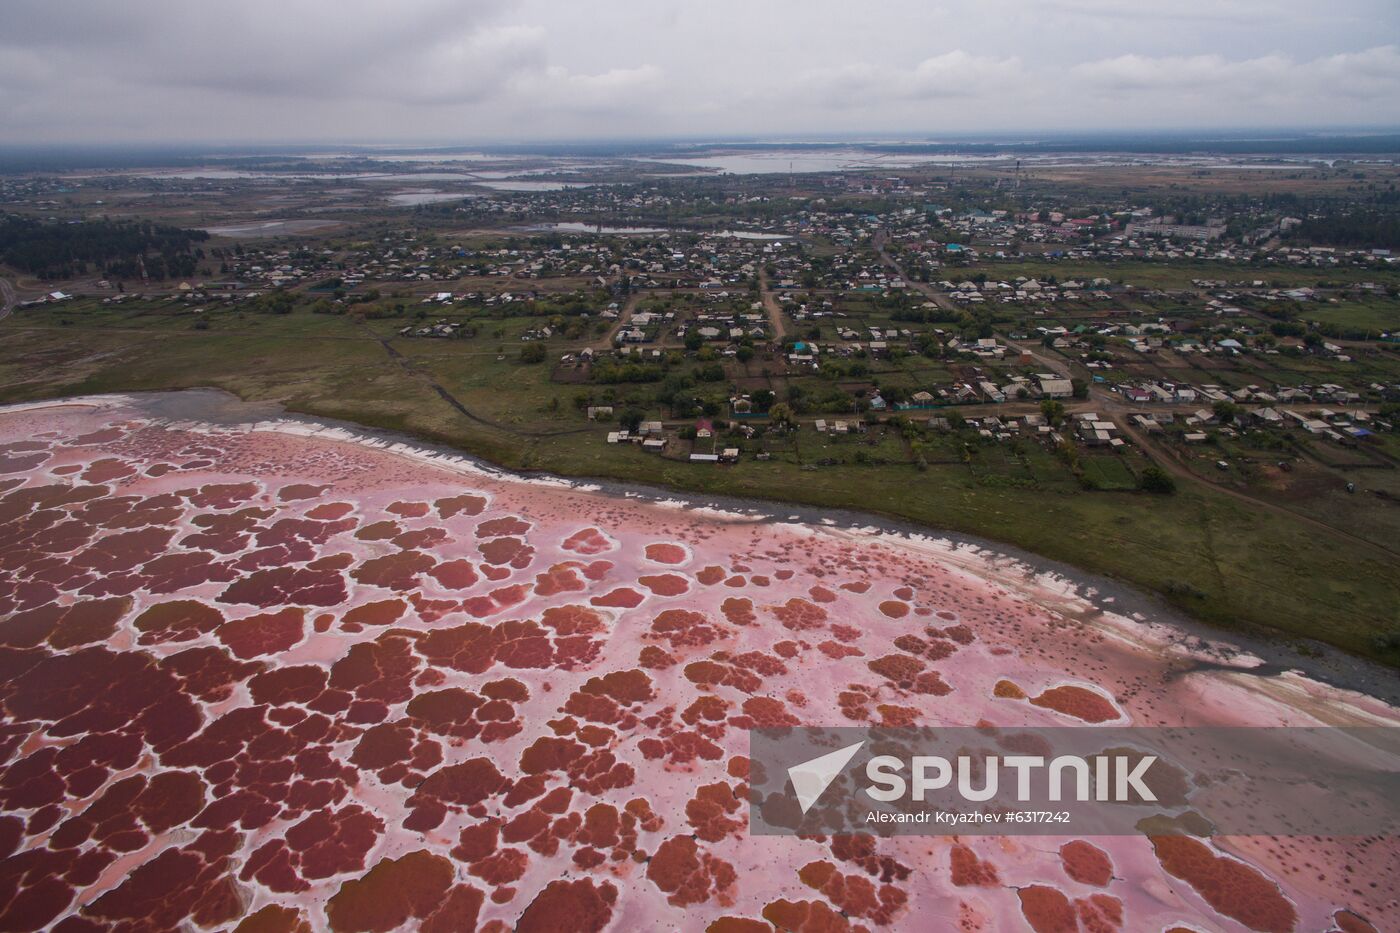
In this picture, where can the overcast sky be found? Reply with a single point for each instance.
(503, 70)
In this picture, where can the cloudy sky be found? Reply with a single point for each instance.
(509, 70)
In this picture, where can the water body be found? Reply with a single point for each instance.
(411, 198)
(575, 227)
(430, 650)
(527, 185)
(265, 228)
(777, 161)
(220, 174)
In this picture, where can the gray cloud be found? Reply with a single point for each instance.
(436, 70)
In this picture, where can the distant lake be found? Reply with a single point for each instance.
(777, 161)
(226, 174)
(523, 185)
(412, 198)
(576, 227)
(272, 228)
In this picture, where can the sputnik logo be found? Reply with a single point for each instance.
(811, 778)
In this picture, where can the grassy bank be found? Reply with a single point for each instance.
(1215, 557)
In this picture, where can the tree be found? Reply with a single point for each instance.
(631, 419)
(1226, 411)
(1053, 410)
(781, 413)
(532, 353)
(1081, 388)
(1157, 480)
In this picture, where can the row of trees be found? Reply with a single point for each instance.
(1361, 229)
(117, 248)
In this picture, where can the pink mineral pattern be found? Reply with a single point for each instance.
(294, 681)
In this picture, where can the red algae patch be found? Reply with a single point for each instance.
(1007, 690)
(689, 875)
(80, 623)
(799, 614)
(666, 554)
(1086, 863)
(1047, 910)
(970, 871)
(738, 611)
(806, 917)
(894, 608)
(177, 620)
(580, 906)
(1348, 922)
(666, 584)
(1231, 887)
(391, 893)
(382, 612)
(266, 633)
(854, 894)
(294, 491)
(1079, 702)
(460, 505)
(588, 541)
(454, 574)
(330, 511)
(624, 597)
(256, 680)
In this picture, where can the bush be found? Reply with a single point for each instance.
(1388, 641)
(1157, 480)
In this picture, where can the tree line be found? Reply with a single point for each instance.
(116, 248)
(1360, 228)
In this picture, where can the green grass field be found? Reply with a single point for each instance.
(1175, 275)
(1217, 558)
(1376, 314)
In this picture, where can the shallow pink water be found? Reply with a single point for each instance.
(262, 680)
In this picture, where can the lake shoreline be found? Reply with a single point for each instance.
(1245, 652)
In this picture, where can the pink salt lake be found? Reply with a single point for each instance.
(277, 677)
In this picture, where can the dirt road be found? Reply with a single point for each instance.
(771, 307)
(623, 318)
(1101, 398)
(928, 291)
(8, 298)
(1165, 459)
